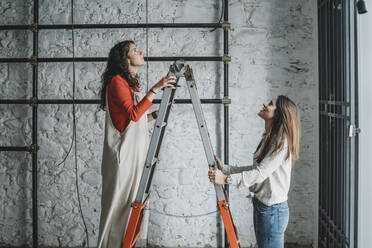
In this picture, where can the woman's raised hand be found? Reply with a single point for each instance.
(164, 82)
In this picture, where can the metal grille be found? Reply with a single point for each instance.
(337, 119)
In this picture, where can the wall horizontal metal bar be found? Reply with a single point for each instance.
(96, 101)
(14, 101)
(108, 26)
(104, 59)
(14, 60)
(14, 148)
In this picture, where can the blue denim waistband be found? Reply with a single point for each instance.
(277, 205)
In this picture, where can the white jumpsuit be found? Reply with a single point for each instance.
(123, 159)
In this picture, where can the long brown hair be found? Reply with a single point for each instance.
(285, 125)
(116, 65)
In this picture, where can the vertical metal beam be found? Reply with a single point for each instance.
(320, 65)
(356, 137)
(320, 48)
(337, 120)
(354, 122)
(226, 94)
(351, 97)
(329, 79)
(34, 130)
(347, 123)
(344, 125)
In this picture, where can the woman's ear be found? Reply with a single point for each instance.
(127, 61)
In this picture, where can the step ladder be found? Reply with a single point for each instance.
(177, 69)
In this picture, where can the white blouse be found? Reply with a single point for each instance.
(268, 181)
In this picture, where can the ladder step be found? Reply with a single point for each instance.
(152, 164)
(163, 125)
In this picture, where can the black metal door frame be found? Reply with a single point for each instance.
(338, 149)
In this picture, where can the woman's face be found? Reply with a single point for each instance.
(268, 110)
(135, 57)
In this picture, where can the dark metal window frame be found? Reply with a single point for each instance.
(338, 164)
(34, 101)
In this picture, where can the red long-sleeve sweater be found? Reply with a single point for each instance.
(121, 103)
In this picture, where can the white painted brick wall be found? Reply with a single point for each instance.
(272, 47)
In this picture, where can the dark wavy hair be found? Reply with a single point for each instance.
(116, 65)
(285, 125)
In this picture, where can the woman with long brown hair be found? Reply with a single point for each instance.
(269, 177)
(126, 139)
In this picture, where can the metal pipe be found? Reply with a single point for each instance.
(14, 60)
(226, 94)
(14, 148)
(108, 26)
(14, 27)
(34, 131)
(104, 59)
(15, 101)
(355, 121)
(97, 101)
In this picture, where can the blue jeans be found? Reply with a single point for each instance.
(270, 223)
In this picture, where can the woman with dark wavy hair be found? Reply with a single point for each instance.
(269, 177)
(126, 140)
